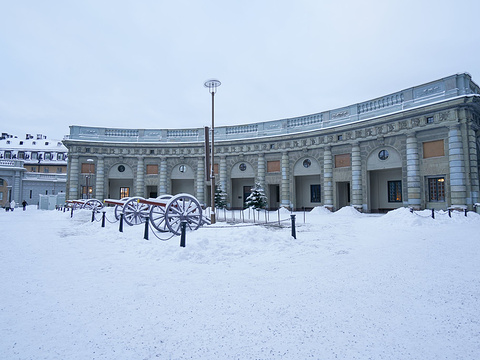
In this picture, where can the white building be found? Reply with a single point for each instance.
(30, 167)
(417, 147)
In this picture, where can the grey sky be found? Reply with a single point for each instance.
(142, 64)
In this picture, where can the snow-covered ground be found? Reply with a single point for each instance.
(351, 286)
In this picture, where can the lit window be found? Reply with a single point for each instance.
(436, 189)
(395, 191)
(124, 192)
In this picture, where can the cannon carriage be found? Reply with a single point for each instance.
(166, 213)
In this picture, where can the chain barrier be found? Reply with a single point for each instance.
(439, 212)
(154, 232)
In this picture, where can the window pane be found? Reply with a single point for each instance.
(395, 191)
(315, 193)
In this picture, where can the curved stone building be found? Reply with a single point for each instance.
(417, 147)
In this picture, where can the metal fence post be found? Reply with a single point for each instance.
(120, 227)
(145, 233)
(433, 213)
(183, 226)
(71, 213)
(449, 212)
(294, 233)
(93, 215)
(103, 218)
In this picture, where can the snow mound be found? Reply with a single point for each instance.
(403, 216)
(320, 210)
(348, 211)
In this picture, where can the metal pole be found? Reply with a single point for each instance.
(145, 233)
(183, 226)
(103, 218)
(120, 226)
(212, 163)
(294, 233)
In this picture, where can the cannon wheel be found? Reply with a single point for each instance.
(119, 209)
(157, 215)
(93, 204)
(183, 207)
(135, 212)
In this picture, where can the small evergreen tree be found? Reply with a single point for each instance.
(220, 198)
(257, 199)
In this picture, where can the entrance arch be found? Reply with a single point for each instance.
(242, 176)
(120, 181)
(182, 179)
(307, 176)
(384, 168)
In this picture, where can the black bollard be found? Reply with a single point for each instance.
(93, 215)
(71, 213)
(433, 213)
(183, 227)
(466, 212)
(120, 227)
(145, 233)
(294, 234)
(449, 212)
(103, 219)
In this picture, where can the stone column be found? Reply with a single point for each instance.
(328, 178)
(73, 192)
(413, 173)
(357, 195)
(457, 167)
(473, 163)
(162, 181)
(140, 184)
(223, 173)
(100, 178)
(285, 191)
(261, 170)
(201, 180)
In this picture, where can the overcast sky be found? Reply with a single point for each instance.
(143, 63)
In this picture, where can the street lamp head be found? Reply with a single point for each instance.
(212, 85)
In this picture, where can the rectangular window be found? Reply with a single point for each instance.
(21, 155)
(34, 156)
(88, 168)
(395, 191)
(342, 160)
(152, 169)
(124, 192)
(46, 170)
(48, 156)
(1, 195)
(1, 182)
(8, 154)
(273, 166)
(436, 189)
(59, 170)
(433, 149)
(59, 156)
(430, 120)
(33, 169)
(87, 192)
(315, 193)
(31, 193)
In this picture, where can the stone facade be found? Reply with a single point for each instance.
(417, 148)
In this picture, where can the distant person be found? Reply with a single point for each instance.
(24, 204)
(12, 205)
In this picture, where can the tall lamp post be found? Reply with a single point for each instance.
(212, 86)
